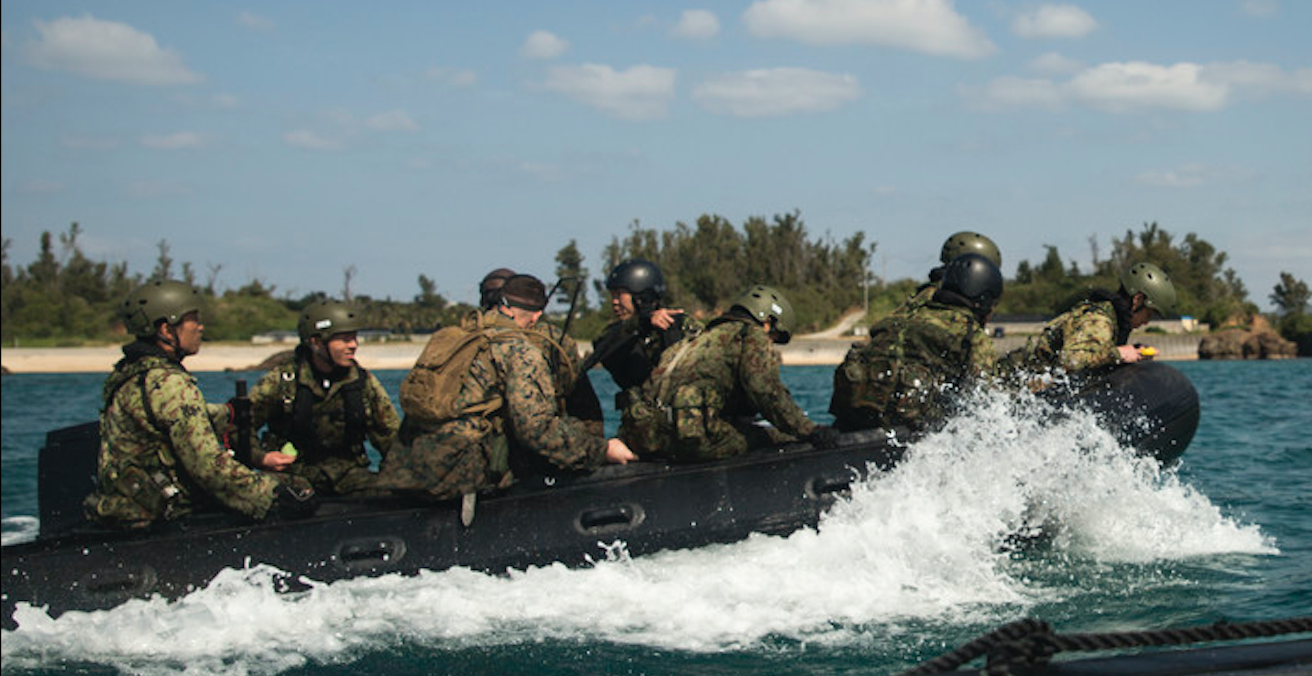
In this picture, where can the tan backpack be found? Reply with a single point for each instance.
(429, 391)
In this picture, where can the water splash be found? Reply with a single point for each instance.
(930, 542)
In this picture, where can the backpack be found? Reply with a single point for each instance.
(430, 390)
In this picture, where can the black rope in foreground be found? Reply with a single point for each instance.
(1029, 643)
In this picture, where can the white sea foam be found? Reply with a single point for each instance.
(925, 542)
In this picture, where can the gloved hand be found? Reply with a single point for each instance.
(293, 502)
(824, 437)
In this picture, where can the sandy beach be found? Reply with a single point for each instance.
(402, 355)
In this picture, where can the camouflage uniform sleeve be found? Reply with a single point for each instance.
(1090, 342)
(983, 354)
(178, 403)
(759, 377)
(531, 410)
(384, 422)
(266, 404)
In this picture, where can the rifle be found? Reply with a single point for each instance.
(241, 417)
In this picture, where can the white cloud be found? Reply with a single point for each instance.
(697, 24)
(107, 50)
(776, 91)
(1053, 63)
(639, 93)
(393, 120)
(1054, 21)
(255, 21)
(454, 77)
(175, 141)
(304, 138)
(928, 26)
(1191, 176)
(1138, 86)
(543, 45)
(1259, 8)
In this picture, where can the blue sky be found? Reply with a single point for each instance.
(290, 141)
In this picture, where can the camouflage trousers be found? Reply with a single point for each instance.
(337, 476)
(139, 499)
(443, 466)
(690, 433)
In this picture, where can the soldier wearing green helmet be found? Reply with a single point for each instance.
(956, 245)
(320, 408)
(1095, 331)
(160, 452)
(906, 373)
(702, 399)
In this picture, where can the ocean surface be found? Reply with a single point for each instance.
(914, 564)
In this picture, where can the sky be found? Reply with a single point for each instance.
(302, 143)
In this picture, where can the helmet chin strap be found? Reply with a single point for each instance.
(168, 338)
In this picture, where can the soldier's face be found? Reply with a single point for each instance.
(341, 348)
(189, 333)
(1141, 314)
(621, 303)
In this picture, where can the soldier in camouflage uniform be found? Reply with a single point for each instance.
(496, 416)
(160, 455)
(321, 406)
(581, 400)
(1094, 332)
(902, 375)
(958, 244)
(701, 401)
(631, 346)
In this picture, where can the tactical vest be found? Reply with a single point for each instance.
(899, 370)
(296, 424)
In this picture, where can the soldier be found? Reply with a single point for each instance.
(571, 377)
(631, 346)
(160, 457)
(701, 401)
(481, 407)
(1094, 332)
(322, 405)
(902, 375)
(958, 244)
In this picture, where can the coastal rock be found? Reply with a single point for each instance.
(1259, 342)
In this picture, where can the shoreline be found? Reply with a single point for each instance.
(401, 356)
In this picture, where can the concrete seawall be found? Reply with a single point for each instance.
(240, 357)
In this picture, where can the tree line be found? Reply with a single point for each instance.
(65, 298)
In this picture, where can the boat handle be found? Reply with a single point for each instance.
(609, 519)
(367, 554)
(120, 582)
(826, 486)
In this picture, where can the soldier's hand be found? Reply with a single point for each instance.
(293, 502)
(663, 318)
(618, 453)
(277, 461)
(824, 437)
(1129, 353)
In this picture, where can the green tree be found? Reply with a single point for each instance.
(1291, 295)
(572, 275)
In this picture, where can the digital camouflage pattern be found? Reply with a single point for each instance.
(631, 349)
(702, 399)
(328, 455)
(160, 456)
(513, 377)
(1082, 338)
(901, 376)
(919, 299)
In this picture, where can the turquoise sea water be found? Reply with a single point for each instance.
(908, 568)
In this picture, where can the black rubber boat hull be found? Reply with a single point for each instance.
(649, 506)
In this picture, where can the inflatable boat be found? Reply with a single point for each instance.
(648, 506)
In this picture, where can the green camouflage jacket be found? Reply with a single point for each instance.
(160, 456)
(919, 299)
(703, 398)
(329, 440)
(631, 350)
(526, 430)
(903, 373)
(1082, 338)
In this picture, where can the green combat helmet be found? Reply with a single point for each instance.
(162, 300)
(1153, 283)
(965, 242)
(764, 302)
(325, 318)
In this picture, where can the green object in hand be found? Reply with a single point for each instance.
(289, 449)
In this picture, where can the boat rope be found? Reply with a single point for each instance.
(1028, 643)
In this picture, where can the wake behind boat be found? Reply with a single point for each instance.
(648, 506)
